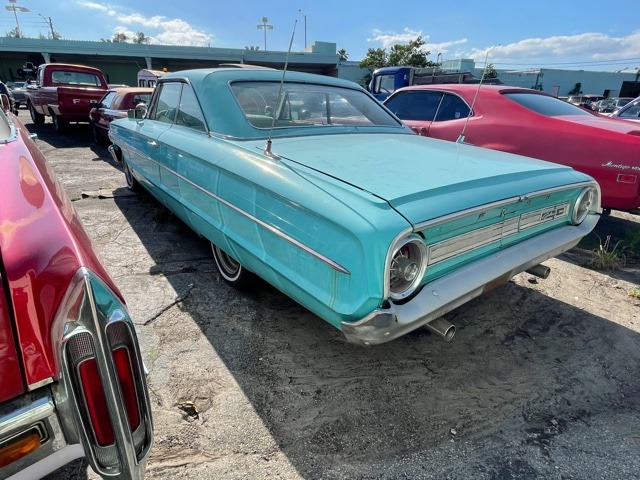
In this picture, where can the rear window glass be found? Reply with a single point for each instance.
(75, 78)
(544, 105)
(264, 105)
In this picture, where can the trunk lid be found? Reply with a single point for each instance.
(423, 178)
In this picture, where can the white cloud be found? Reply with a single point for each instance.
(589, 46)
(166, 31)
(98, 6)
(389, 39)
(594, 46)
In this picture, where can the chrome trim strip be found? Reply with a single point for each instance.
(26, 416)
(466, 242)
(461, 244)
(447, 218)
(33, 386)
(271, 228)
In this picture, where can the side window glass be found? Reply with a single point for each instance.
(108, 100)
(384, 84)
(452, 107)
(415, 105)
(167, 104)
(631, 112)
(190, 114)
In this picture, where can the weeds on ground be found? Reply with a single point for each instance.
(635, 293)
(605, 257)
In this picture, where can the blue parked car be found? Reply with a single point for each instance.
(313, 185)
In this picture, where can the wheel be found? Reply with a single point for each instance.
(97, 137)
(59, 125)
(230, 270)
(36, 117)
(132, 183)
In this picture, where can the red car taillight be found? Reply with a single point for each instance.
(96, 401)
(104, 387)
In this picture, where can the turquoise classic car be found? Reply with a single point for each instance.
(311, 184)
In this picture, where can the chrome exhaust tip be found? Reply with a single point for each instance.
(540, 271)
(442, 328)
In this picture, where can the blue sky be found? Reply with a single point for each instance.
(589, 35)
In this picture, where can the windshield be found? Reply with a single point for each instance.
(300, 105)
(545, 105)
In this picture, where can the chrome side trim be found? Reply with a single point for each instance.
(271, 228)
(335, 265)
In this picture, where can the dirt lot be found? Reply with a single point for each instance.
(541, 381)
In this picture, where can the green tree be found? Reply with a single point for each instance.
(343, 54)
(14, 32)
(141, 38)
(120, 37)
(375, 58)
(409, 55)
(490, 71)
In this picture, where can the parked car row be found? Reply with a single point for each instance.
(610, 105)
(534, 124)
(305, 181)
(73, 381)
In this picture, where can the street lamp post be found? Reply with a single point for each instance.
(265, 27)
(15, 9)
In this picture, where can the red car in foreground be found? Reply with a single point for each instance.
(531, 123)
(72, 378)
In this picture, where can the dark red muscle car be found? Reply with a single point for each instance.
(71, 375)
(530, 123)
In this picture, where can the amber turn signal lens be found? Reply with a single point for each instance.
(19, 448)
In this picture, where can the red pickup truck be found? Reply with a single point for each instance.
(72, 381)
(64, 92)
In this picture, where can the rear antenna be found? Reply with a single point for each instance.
(267, 147)
(461, 138)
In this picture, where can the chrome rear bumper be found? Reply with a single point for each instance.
(449, 292)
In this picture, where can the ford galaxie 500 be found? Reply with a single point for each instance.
(311, 184)
(71, 376)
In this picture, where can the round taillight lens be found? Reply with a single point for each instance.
(407, 268)
(585, 203)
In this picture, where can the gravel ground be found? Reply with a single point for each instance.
(541, 381)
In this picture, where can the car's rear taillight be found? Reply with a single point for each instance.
(95, 402)
(104, 379)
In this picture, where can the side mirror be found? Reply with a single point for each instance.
(139, 112)
(94, 104)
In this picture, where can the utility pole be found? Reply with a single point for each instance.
(50, 22)
(265, 27)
